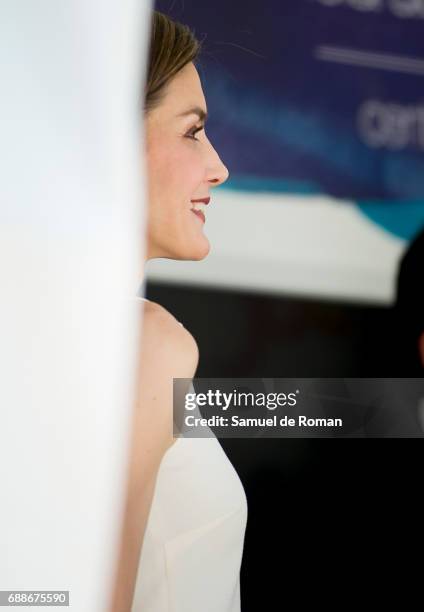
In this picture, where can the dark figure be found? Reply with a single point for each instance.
(409, 309)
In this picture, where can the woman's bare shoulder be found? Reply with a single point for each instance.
(168, 351)
(161, 330)
(157, 314)
(155, 309)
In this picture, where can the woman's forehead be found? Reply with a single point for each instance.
(185, 90)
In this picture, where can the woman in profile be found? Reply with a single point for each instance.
(186, 510)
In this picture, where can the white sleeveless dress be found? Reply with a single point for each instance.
(193, 543)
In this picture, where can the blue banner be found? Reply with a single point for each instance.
(317, 96)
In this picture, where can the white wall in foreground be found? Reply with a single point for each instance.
(292, 245)
(71, 229)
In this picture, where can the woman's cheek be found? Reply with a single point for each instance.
(195, 167)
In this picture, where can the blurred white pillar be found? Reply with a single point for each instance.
(71, 251)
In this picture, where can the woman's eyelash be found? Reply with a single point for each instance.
(194, 131)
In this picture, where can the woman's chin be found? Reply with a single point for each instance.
(184, 250)
(197, 251)
(201, 256)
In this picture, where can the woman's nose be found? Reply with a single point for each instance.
(218, 172)
(221, 176)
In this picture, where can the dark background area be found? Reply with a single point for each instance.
(325, 516)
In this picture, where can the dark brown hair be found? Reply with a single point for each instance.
(172, 46)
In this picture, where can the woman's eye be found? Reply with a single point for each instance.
(194, 131)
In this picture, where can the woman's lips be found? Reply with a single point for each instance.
(199, 214)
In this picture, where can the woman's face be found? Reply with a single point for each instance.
(182, 166)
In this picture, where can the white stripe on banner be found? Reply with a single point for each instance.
(313, 246)
(370, 59)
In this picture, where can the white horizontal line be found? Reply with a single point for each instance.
(370, 59)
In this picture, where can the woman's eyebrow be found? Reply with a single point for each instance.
(196, 110)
